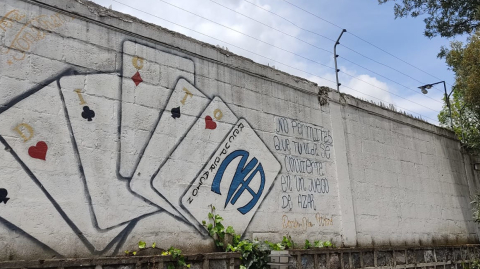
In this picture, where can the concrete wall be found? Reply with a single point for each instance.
(411, 184)
(117, 131)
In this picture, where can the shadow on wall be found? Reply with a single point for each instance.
(410, 186)
(458, 176)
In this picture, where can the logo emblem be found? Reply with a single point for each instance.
(239, 185)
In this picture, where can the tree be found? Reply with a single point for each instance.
(446, 18)
(466, 121)
(464, 60)
(449, 18)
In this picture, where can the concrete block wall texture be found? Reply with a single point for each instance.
(115, 131)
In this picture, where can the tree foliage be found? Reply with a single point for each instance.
(449, 18)
(446, 18)
(464, 60)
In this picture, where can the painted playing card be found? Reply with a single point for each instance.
(193, 151)
(41, 176)
(235, 180)
(148, 77)
(92, 102)
(184, 107)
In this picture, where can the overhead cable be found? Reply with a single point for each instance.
(331, 23)
(230, 28)
(232, 45)
(303, 29)
(296, 54)
(416, 91)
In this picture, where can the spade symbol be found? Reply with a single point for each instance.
(87, 113)
(176, 112)
(3, 196)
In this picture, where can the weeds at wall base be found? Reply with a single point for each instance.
(175, 253)
(253, 253)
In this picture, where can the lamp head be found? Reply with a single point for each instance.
(424, 88)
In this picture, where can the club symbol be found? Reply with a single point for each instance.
(87, 113)
(3, 196)
(175, 112)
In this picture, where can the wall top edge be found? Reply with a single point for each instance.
(386, 112)
(88, 10)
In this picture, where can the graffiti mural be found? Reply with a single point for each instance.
(306, 151)
(107, 149)
(33, 31)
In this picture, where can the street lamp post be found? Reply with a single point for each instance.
(447, 96)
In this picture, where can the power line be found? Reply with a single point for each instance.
(230, 44)
(389, 79)
(373, 85)
(306, 30)
(296, 54)
(329, 22)
(264, 24)
(373, 60)
(394, 105)
(292, 53)
(306, 72)
(301, 28)
(394, 56)
(331, 53)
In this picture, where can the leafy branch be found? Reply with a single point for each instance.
(177, 257)
(218, 232)
(141, 246)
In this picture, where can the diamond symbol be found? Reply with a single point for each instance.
(137, 79)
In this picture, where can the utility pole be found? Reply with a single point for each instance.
(335, 56)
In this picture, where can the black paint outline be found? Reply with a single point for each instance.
(168, 154)
(121, 75)
(119, 72)
(123, 235)
(79, 160)
(200, 230)
(69, 222)
(21, 232)
(205, 165)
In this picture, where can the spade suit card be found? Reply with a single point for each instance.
(193, 151)
(183, 108)
(235, 179)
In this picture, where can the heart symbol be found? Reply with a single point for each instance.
(39, 151)
(209, 123)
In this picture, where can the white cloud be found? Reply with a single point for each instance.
(369, 88)
(364, 84)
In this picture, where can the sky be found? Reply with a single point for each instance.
(381, 58)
